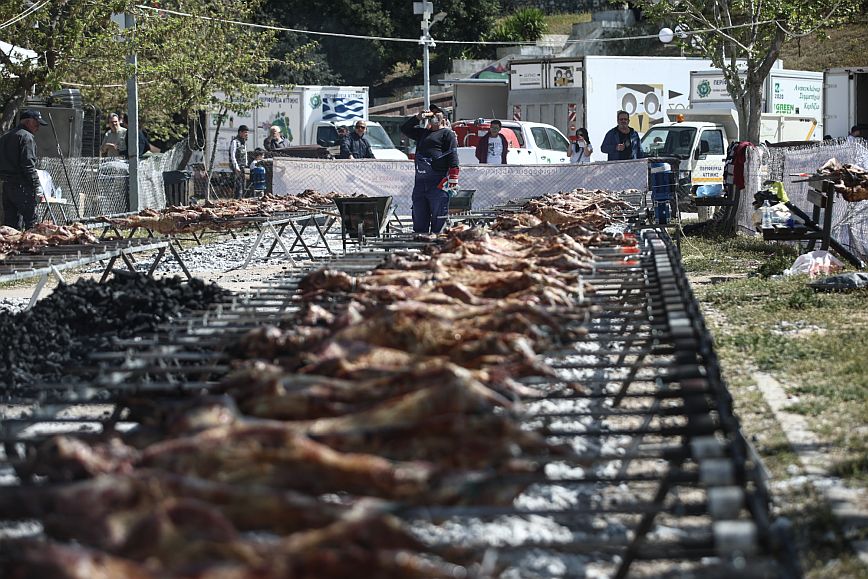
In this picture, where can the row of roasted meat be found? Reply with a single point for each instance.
(222, 214)
(398, 387)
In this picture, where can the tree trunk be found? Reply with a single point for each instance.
(209, 166)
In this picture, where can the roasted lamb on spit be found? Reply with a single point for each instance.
(181, 540)
(104, 512)
(42, 235)
(361, 396)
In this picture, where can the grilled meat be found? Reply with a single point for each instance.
(104, 512)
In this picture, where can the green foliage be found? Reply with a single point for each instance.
(64, 34)
(774, 265)
(182, 60)
(369, 62)
(525, 25)
(804, 298)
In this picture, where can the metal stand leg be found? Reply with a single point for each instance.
(298, 239)
(160, 253)
(180, 261)
(108, 269)
(39, 286)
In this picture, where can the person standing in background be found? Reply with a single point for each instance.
(436, 169)
(493, 146)
(145, 145)
(274, 140)
(356, 145)
(114, 141)
(581, 149)
(21, 187)
(238, 158)
(621, 142)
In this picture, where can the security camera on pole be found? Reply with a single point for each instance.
(425, 9)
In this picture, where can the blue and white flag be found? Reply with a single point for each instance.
(342, 108)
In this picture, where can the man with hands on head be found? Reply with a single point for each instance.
(436, 168)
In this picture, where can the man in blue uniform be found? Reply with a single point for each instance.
(436, 169)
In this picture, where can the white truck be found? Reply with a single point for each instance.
(529, 143)
(307, 115)
(845, 100)
(699, 138)
(784, 92)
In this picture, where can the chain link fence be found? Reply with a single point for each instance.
(849, 220)
(93, 186)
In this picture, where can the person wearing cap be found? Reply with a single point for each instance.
(436, 169)
(114, 141)
(238, 158)
(21, 188)
(356, 145)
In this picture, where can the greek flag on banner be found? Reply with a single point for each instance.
(342, 108)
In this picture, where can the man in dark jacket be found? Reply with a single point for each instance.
(436, 170)
(493, 146)
(21, 187)
(621, 142)
(356, 145)
(275, 140)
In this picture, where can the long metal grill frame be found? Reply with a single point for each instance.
(647, 365)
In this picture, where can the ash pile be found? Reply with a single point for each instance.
(537, 398)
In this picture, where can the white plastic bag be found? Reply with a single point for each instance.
(815, 263)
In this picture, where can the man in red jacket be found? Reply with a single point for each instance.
(492, 147)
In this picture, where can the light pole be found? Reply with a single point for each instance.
(425, 9)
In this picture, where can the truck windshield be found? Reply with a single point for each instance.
(675, 141)
(378, 138)
(327, 136)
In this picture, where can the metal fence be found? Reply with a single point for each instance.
(95, 186)
(849, 220)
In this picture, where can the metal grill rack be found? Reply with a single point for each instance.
(50, 261)
(666, 484)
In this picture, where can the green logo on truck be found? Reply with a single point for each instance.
(315, 101)
(704, 88)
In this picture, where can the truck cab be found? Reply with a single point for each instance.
(699, 138)
(326, 135)
(700, 146)
(529, 143)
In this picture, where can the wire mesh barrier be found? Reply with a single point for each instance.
(494, 185)
(849, 220)
(93, 186)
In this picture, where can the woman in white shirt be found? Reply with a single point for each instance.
(581, 149)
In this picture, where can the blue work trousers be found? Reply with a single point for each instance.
(430, 204)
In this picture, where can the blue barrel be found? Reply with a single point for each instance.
(662, 191)
(257, 178)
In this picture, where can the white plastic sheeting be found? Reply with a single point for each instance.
(494, 184)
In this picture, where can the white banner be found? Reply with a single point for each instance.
(494, 184)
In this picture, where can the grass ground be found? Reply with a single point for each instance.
(815, 345)
(563, 23)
